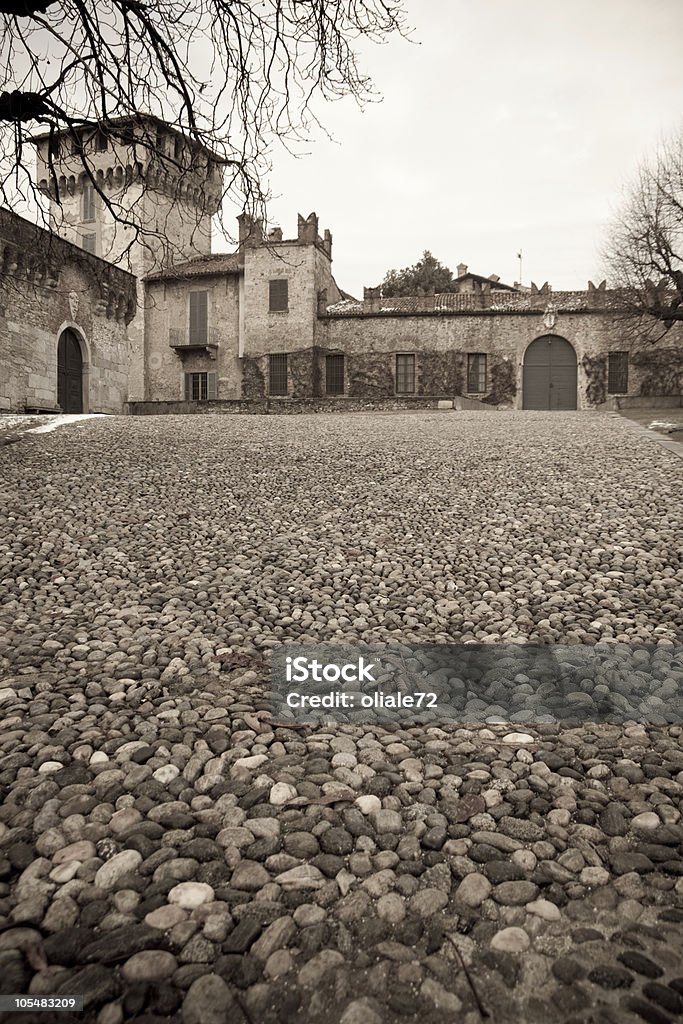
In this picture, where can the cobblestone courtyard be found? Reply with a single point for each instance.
(170, 853)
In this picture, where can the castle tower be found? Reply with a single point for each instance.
(146, 171)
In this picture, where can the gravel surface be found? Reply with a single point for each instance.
(171, 853)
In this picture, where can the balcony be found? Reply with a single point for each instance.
(180, 339)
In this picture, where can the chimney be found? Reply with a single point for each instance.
(461, 269)
(494, 278)
(327, 242)
(372, 302)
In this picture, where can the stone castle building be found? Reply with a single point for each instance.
(95, 318)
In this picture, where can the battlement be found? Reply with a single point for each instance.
(30, 254)
(252, 233)
(492, 300)
(127, 152)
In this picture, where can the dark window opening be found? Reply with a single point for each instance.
(101, 142)
(277, 374)
(334, 374)
(199, 318)
(476, 372)
(279, 296)
(617, 373)
(405, 374)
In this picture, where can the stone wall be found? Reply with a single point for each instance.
(283, 406)
(441, 343)
(167, 307)
(46, 286)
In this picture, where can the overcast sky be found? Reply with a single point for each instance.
(504, 125)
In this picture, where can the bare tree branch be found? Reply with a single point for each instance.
(644, 252)
(231, 75)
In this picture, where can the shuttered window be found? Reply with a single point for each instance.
(200, 387)
(199, 318)
(476, 372)
(89, 243)
(279, 295)
(277, 374)
(405, 374)
(617, 373)
(334, 374)
(88, 202)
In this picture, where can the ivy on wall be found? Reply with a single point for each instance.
(503, 383)
(661, 370)
(595, 368)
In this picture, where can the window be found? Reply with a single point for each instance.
(279, 295)
(199, 318)
(476, 372)
(54, 149)
(277, 374)
(405, 374)
(88, 202)
(101, 142)
(89, 243)
(200, 387)
(177, 148)
(334, 374)
(617, 373)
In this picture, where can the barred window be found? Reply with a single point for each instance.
(617, 373)
(476, 372)
(277, 374)
(200, 387)
(88, 202)
(89, 243)
(405, 374)
(279, 295)
(199, 318)
(334, 374)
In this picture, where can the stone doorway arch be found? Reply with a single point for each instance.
(550, 374)
(71, 376)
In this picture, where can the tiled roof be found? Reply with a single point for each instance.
(216, 263)
(494, 301)
(496, 285)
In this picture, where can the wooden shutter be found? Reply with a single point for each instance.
(188, 386)
(279, 295)
(199, 318)
(90, 243)
(211, 386)
(88, 202)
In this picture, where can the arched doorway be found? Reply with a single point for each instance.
(69, 372)
(550, 375)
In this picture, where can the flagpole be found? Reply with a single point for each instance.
(519, 257)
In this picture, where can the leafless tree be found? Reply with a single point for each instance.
(231, 75)
(644, 252)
